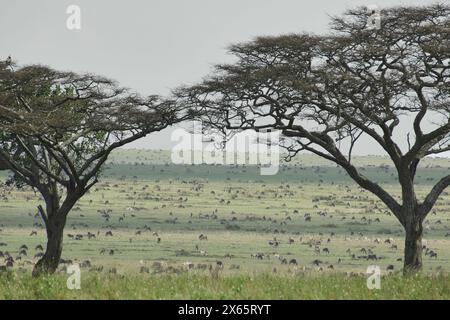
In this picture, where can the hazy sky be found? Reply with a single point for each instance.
(155, 45)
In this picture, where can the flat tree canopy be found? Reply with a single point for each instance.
(58, 129)
(325, 92)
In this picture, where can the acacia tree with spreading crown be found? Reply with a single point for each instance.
(324, 93)
(57, 131)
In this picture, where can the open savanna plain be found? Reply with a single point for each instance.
(307, 232)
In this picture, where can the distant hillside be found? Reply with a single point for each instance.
(154, 157)
(157, 164)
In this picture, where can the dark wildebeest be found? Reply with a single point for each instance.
(372, 257)
(316, 262)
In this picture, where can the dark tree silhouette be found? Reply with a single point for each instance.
(324, 93)
(58, 129)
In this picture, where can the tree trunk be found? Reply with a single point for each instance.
(3, 165)
(55, 216)
(412, 219)
(413, 247)
(50, 261)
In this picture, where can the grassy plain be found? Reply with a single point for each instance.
(143, 198)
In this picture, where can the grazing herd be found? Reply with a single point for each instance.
(183, 225)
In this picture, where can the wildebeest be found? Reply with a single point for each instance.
(113, 270)
(85, 264)
(316, 262)
(9, 262)
(273, 243)
(202, 266)
(372, 257)
(144, 269)
(189, 265)
(258, 255)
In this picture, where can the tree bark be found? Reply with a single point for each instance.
(50, 260)
(411, 219)
(55, 216)
(413, 246)
(3, 165)
(55, 221)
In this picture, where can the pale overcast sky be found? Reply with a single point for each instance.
(154, 46)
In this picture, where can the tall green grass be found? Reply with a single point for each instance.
(195, 286)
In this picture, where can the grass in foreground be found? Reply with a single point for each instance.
(189, 286)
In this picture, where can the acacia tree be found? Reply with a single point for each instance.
(324, 93)
(58, 129)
